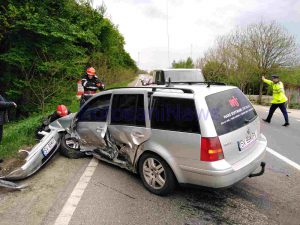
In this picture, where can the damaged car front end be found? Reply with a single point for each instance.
(98, 130)
(42, 152)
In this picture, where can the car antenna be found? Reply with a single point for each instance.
(208, 84)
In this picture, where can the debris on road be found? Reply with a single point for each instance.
(31, 161)
(12, 185)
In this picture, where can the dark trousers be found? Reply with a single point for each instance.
(1, 132)
(282, 108)
(84, 98)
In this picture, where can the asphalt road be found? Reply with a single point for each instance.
(115, 196)
(284, 140)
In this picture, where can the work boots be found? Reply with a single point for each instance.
(266, 120)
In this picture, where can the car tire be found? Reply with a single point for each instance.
(156, 174)
(69, 152)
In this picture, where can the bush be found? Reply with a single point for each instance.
(18, 135)
(294, 106)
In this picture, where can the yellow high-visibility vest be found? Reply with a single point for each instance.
(278, 91)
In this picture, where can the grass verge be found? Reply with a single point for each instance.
(21, 134)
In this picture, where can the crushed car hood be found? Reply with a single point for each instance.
(63, 123)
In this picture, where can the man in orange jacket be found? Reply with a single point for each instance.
(91, 84)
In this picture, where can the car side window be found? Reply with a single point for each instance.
(96, 110)
(128, 110)
(175, 114)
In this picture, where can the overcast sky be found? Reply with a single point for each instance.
(193, 24)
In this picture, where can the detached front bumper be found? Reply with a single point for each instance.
(37, 157)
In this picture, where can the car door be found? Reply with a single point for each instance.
(91, 124)
(129, 124)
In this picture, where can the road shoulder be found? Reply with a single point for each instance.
(46, 189)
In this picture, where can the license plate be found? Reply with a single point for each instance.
(48, 147)
(248, 140)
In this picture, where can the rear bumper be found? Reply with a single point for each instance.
(226, 177)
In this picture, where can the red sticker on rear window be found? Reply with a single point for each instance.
(234, 102)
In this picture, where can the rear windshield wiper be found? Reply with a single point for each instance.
(250, 120)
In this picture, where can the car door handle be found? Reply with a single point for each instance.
(138, 135)
(98, 129)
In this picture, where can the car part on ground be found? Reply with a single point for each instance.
(39, 155)
(12, 185)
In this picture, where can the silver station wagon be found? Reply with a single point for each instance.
(199, 133)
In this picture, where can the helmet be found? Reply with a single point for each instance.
(62, 110)
(91, 71)
(274, 76)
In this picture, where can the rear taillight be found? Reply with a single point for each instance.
(211, 149)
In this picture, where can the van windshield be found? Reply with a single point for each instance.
(230, 110)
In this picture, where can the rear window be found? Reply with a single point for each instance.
(230, 110)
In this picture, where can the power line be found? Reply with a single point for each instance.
(168, 36)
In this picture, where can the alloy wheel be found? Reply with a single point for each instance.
(154, 173)
(72, 143)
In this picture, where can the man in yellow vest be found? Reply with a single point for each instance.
(279, 99)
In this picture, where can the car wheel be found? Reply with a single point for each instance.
(156, 174)
(70, 148)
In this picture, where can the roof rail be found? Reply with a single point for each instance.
(185, 90)
(199, 82)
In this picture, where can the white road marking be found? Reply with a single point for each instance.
(298, 120)
(283, 158)
(137, 82)
(67, 212)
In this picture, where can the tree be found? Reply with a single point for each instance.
(249, 53)
(270, 46)
(188, 63)
(54, 40)
(214, 71)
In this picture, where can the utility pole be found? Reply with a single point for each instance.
(168, 36)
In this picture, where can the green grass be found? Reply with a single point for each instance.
(121, 84)
(17, 135)
(22, 133)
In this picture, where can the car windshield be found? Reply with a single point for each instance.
(230, 110)
(184, 76)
